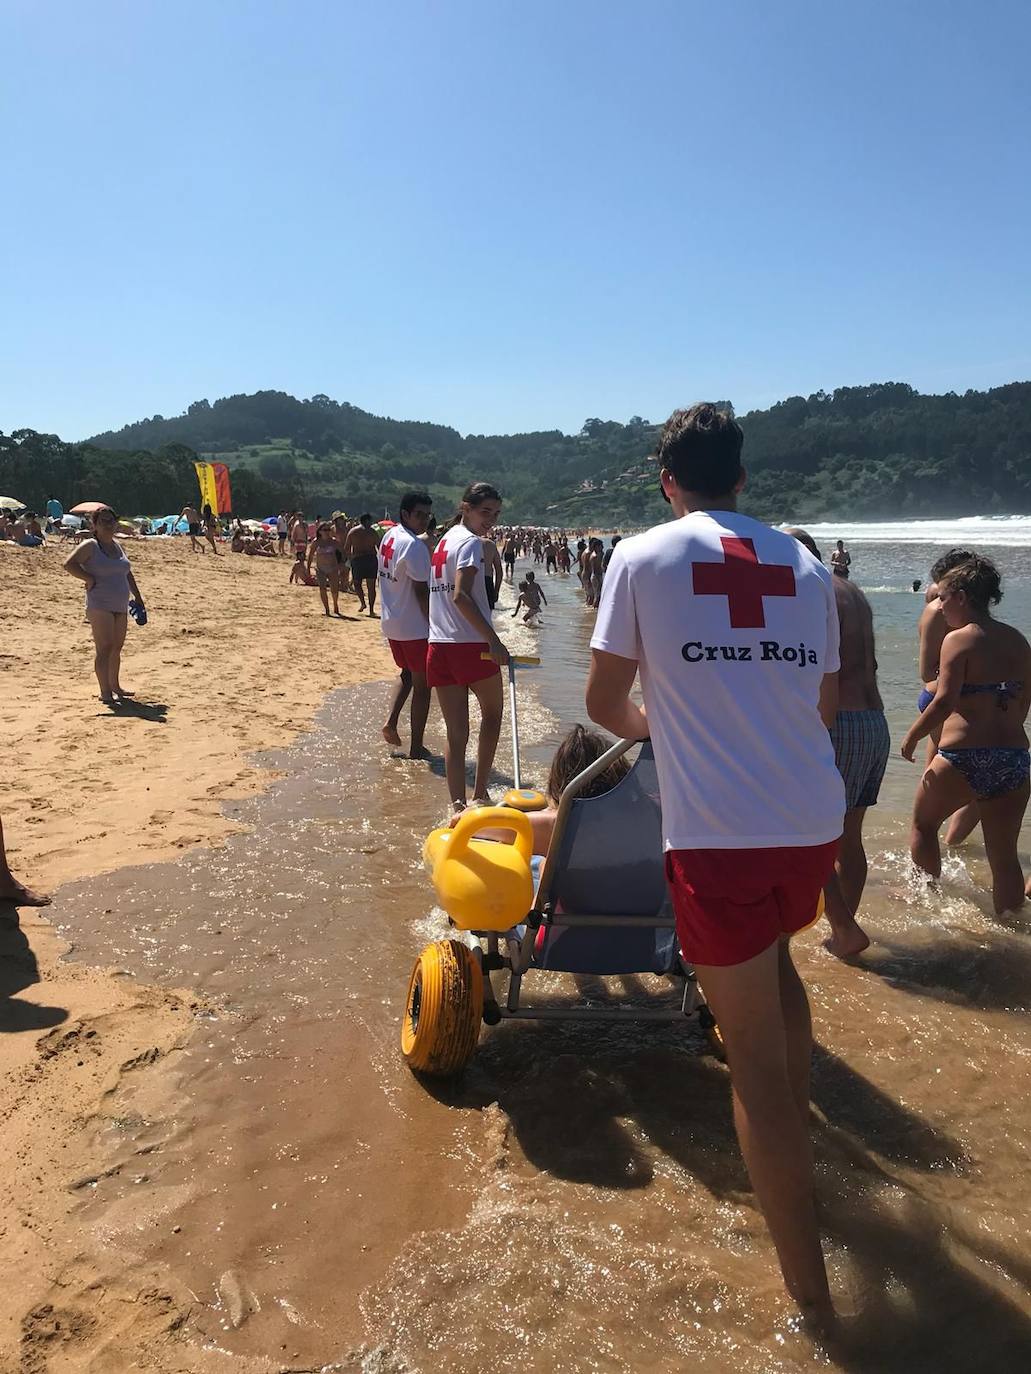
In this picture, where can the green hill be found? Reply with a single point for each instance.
(868, 452)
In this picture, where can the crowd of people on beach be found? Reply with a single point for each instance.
(758, 672)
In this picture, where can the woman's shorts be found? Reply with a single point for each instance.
(861, 748)
(409, 654)
(194, 528)
(731, 904)
(458, 665)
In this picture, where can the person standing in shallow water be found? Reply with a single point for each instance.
(465, 652)
(980, 703)
(103, 566)
(713, 607)
(862, 744)
(404, 574)
(841, 560)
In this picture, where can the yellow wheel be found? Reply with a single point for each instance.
(444, 1009)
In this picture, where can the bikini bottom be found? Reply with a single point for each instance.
(990, 772)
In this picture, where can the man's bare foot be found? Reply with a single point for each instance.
(419, 753)
(851, 939)
(107, 700)
(13, 891)
(373, 613)
(121, 692)
(389, 733)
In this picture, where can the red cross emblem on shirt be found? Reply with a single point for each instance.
(744, 581)
(386, 552)
(439, 559)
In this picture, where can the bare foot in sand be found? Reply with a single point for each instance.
(421, 753)
(13, 891)
(847, 940)
(390, 734)
(121, 692)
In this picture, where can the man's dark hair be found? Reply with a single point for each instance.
(948, 561)
(365, 519)
(701, 447)
(411, 499)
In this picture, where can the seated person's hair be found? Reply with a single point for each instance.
(978, 577)
(580, 748)
(948, 561)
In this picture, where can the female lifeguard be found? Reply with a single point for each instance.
(101, 564)
(464, 652)
(980, 705)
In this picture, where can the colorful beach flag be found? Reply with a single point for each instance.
(214, 487)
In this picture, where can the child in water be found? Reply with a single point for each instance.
(530, 596)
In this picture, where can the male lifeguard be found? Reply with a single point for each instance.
(734, 630)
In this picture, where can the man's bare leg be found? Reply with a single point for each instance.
(11, 890)
(844, 892)
(420, 715)
(401, 695)
(370, 584)
(763, 1016)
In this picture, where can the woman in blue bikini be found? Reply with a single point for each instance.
(980, 704)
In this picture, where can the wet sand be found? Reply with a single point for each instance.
(83, 791)
(577, 1201)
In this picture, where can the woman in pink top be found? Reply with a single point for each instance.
(103, 566)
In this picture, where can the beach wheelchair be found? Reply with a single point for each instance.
(600, 907)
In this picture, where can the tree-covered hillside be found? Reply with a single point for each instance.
(870, 452)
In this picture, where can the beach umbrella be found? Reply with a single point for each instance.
(11, 503)
(386, 524)
(88, 507)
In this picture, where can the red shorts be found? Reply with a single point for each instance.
(458, 665)
(731, 904)
(409, 653)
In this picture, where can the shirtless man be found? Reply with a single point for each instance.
(192, 517)
(841, 560)
(861, 747)
(361, 546)
(932, 630)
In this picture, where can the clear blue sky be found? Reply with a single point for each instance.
(507, 214)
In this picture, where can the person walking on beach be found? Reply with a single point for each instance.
(210, 528)
(341, 528)
(192, 517)
(101, 563)
(360, 549)
(464, 651)
(282, 530)
(980, 704)
(841, 560)
(734, 628)
(323, 550)
(509, 558)
(404, 575)
(931, 632)
(861, 747)
(492, 571)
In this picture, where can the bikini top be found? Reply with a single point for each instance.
(1004, 691)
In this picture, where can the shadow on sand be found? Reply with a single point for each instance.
(18, 970)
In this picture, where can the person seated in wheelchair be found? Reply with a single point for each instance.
(580, 748)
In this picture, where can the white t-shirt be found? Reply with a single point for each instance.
(403, 559)
(733, 626)
(459, 548)
(282, 528)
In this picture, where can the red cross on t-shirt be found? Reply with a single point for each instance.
(439, 559)
(386, 552)
(744, 581)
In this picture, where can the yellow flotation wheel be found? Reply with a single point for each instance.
(444, 1009)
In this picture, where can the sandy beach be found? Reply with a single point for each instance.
(233, 660)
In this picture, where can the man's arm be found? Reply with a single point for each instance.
(422, 595)
(609, 684)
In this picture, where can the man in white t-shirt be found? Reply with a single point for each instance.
(404, 575)
(734, 629)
